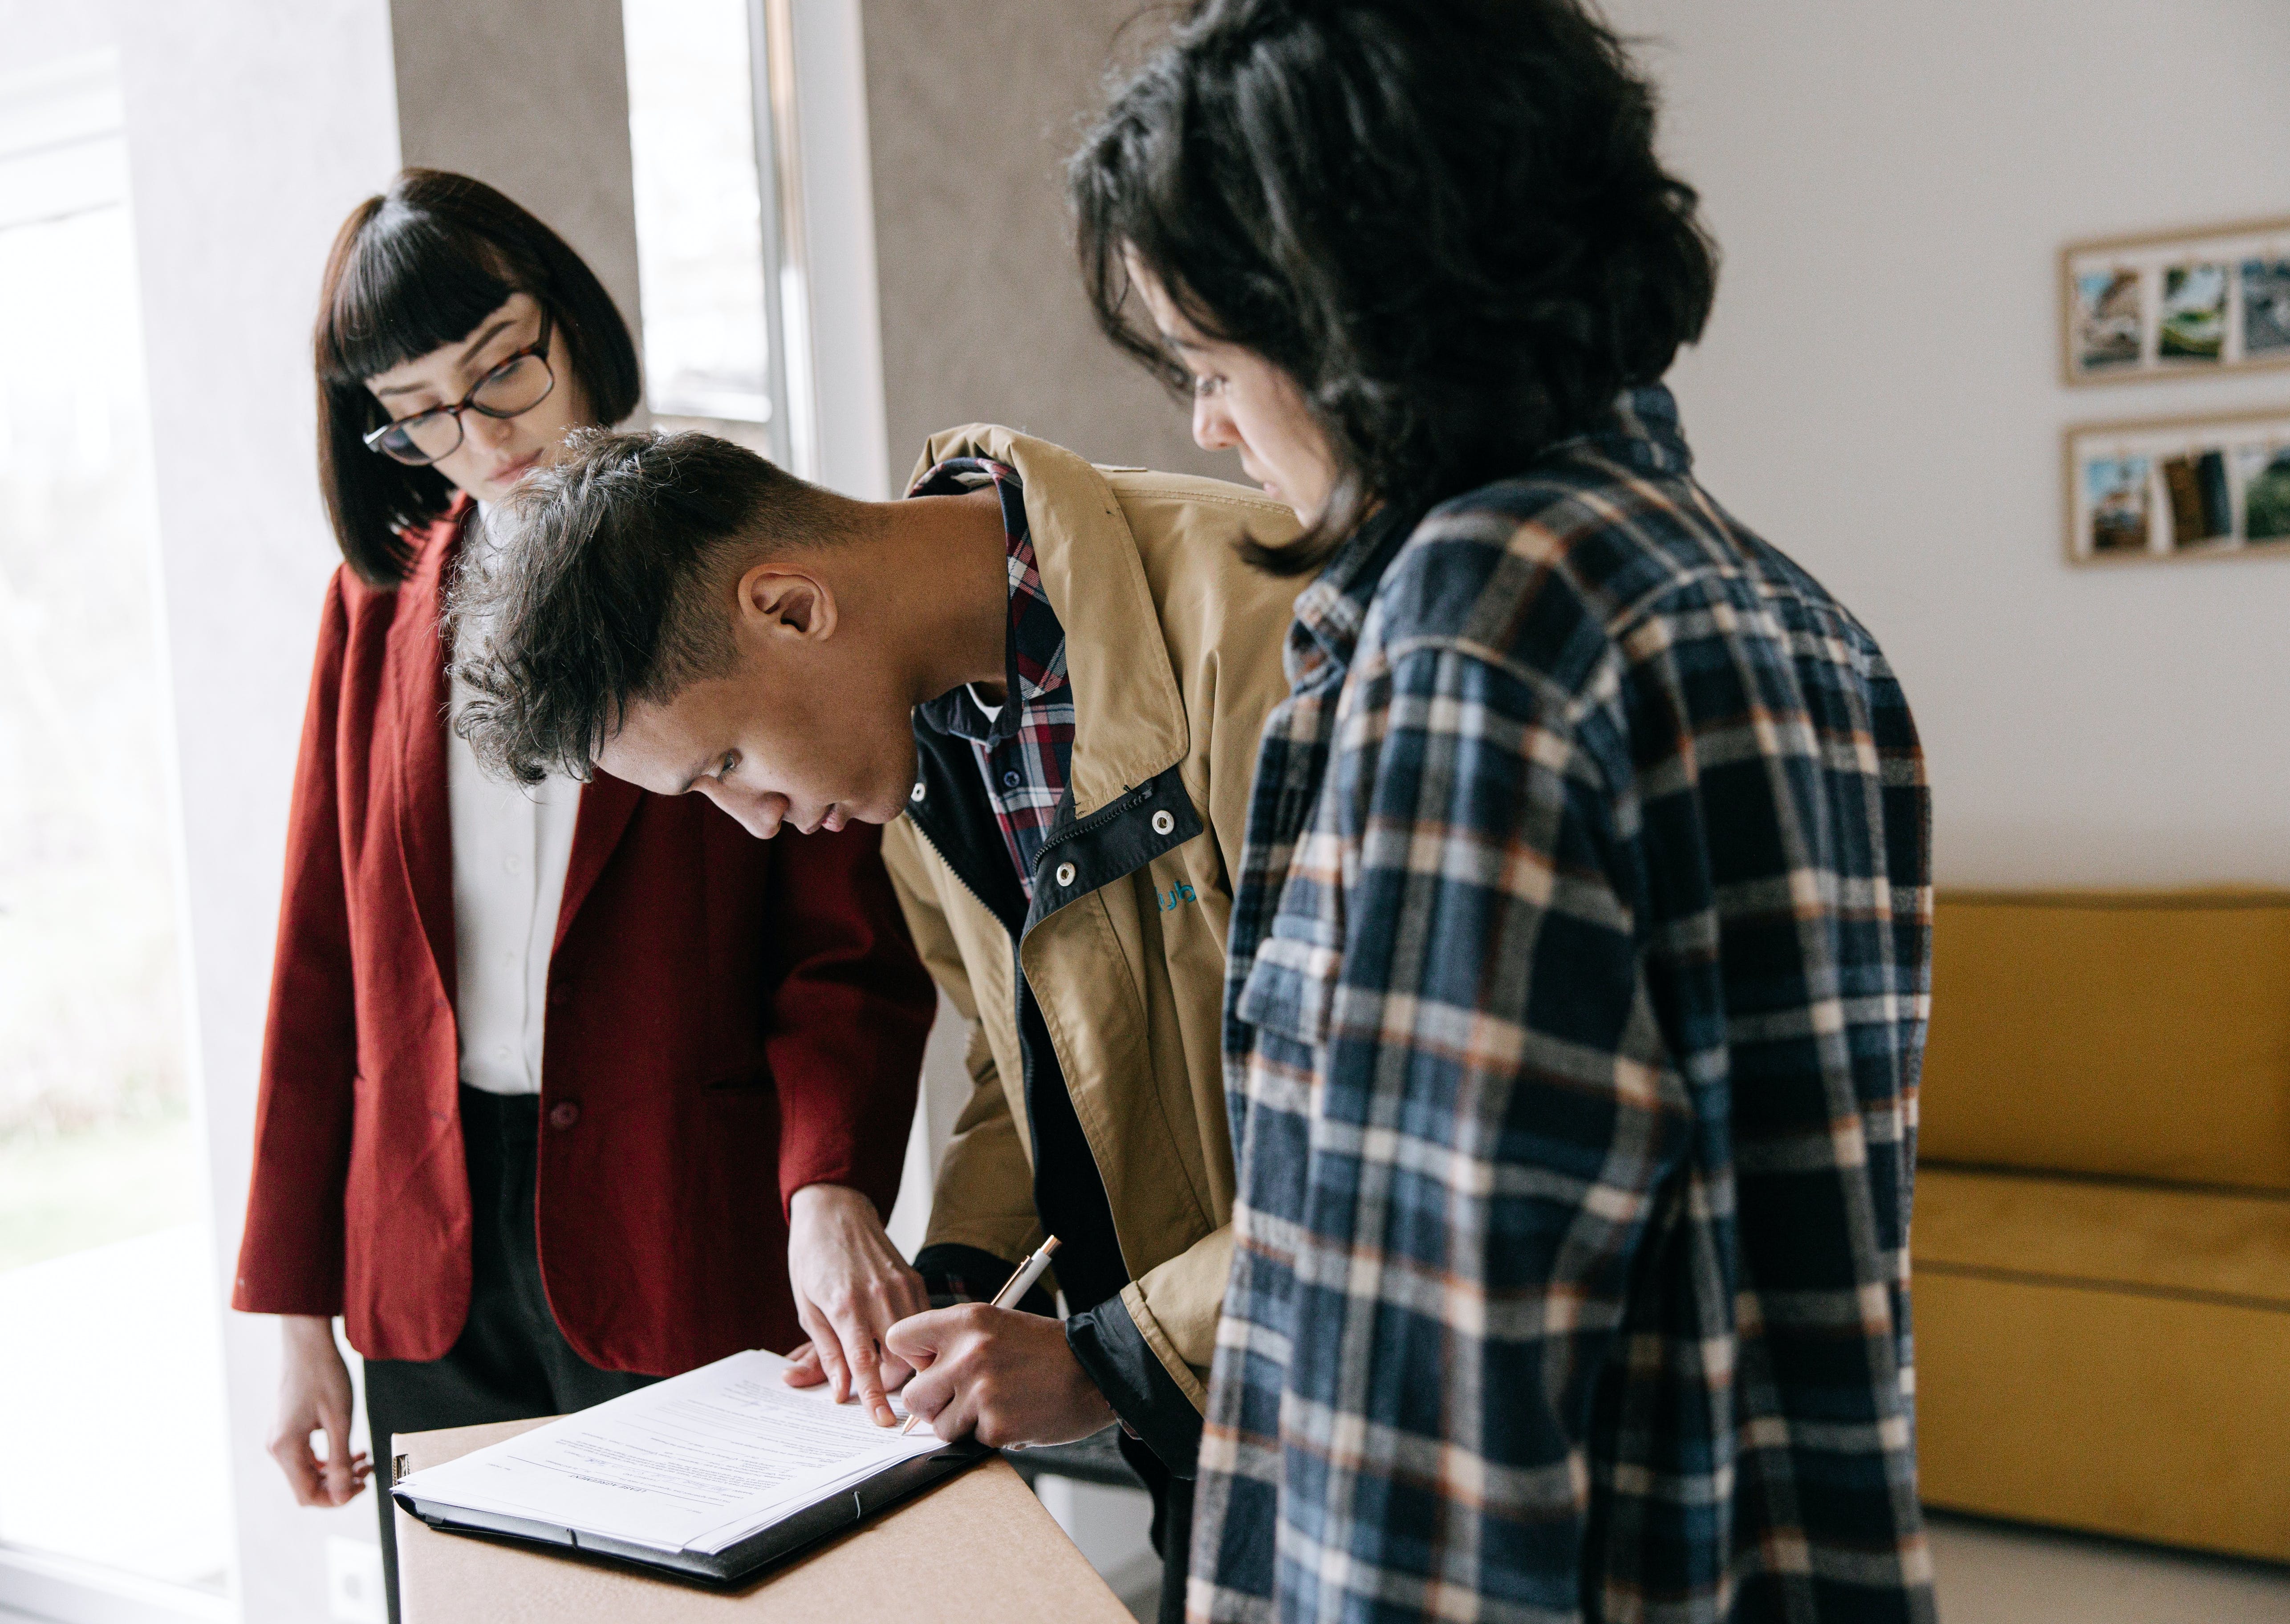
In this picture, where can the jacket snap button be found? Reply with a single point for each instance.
(1065, 874)
(563, 1113)
(915, 793)
(1162, 822)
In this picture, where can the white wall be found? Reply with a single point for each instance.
(253, 125)
(1878, 394)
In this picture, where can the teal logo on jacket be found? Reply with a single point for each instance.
(1169, 900)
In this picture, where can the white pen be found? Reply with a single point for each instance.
(1029, 1271)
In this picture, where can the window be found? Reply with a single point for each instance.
(718, 247)
(108, 1340)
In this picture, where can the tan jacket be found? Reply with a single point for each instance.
(1174, 646)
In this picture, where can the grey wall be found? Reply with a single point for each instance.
(538, 109)
(971, 107)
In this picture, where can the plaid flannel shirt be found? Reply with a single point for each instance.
(1580, 965)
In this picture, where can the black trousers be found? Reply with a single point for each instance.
(1172, 1524)
(511, 1362)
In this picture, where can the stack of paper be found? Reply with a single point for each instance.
(696, 1463)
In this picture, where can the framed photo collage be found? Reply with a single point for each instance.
(2185, 304)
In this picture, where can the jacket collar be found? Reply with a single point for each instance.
(1331, 612)
(422, 693)
(607, 805)
(1129, 723)
(1641, 432)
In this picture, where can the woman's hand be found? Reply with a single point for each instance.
(1003, 1377)
(313, 1396)
(850, 1287)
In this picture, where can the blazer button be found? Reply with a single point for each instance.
(563, 1113)
(1162, 822)
(915, 793)
(1065, 874)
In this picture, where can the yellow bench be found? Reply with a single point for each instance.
(2102, 1239)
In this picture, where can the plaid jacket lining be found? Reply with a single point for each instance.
(1025, 752)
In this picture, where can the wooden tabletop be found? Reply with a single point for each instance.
(978, 1547)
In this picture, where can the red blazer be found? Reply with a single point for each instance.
(729, 1019)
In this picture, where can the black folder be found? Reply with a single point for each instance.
(735, 1565)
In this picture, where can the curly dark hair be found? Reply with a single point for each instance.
(605, 581)
(1443, 218)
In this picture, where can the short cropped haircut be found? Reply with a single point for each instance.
(413, 269)
(604, 581)
(1443, 218)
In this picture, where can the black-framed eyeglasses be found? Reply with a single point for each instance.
(511, 389)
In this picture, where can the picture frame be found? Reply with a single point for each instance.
(2166, 489)
(2176, 304)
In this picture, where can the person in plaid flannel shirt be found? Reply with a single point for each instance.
(1579, 962)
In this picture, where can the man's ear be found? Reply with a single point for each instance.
(777, 601)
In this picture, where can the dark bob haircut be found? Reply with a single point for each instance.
(1443, 218)
(413, 269)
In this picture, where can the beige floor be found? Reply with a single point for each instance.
(1989, 1574)
(1998, 1573)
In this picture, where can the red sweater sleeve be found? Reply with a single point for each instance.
(290, 1259)
(850, 1012)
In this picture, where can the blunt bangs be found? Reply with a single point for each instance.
(411, 283)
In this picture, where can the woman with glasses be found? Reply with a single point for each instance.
(562, 1090)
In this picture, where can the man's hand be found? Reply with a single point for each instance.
(850, 1287)
(1002, 1376)
(313, 1396)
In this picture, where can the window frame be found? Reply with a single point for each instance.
(63, 130)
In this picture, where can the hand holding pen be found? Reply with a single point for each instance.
(1012, 1289)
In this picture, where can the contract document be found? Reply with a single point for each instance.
(702, 1467)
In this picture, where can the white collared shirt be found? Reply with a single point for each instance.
(511, 847)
